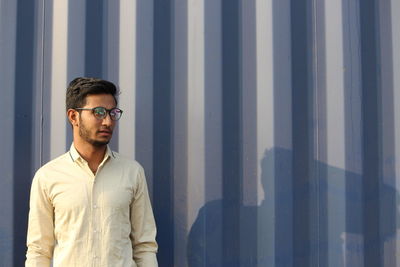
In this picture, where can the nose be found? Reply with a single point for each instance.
(107, 120)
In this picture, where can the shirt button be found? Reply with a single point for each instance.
(95, 206)
(95, 232)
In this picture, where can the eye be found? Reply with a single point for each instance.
(99, 111)
(115, 113)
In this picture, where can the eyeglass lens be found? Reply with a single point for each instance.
(101, 113)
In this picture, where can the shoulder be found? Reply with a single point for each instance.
(126, 162)
(61, 162)
(128, 166)
(131, 170)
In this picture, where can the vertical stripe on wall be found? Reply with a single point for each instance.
(94, 41)
(127, 77)
(180, 123)
(196, 102)
(112, 27)
(277, 163)
(231, 131)
(8, 32)
(302, 107)
(38, 84)
(162, 128)
(208, 249)
(46, 88)
(371, 137)
(266, 247)
(23, 107)
(395, 20)
(144, 88)
(336, 196)
(322, 118)
(75, 55)
(387, 195)
(76, 40)
(212, 100)
(194, 141)
(110, 56)
(248, 98)
(58, 79)
(353, 252)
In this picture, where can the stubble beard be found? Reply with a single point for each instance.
(84, 133)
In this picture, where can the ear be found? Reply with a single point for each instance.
(73, 117)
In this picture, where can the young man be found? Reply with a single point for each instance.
(90, 206)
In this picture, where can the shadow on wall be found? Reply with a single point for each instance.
(266, 236)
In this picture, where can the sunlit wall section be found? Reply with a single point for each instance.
(8, 17)
(395, 20)
(330, 166)
(265, 195)
(388, 194)
(59, 71)
(196, 116)
(126, 73)
(199, 243)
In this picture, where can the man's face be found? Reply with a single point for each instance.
(92, 130)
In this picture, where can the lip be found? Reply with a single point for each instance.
(105, 133)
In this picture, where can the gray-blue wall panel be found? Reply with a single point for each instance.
(268, 129)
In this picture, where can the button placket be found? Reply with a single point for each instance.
(95, 220)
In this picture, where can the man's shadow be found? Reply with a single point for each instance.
(266, 234)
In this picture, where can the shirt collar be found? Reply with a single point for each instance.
(74, 154)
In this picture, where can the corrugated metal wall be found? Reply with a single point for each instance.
(269, 129)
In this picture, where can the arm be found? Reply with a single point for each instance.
(40, 239)
(143, 232)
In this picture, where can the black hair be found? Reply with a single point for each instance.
(80, 87)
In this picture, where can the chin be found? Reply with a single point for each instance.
(98, 143)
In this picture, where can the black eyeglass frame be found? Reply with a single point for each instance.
(120, 111)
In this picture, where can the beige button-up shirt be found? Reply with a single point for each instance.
(77, 218)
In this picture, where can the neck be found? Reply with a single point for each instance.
(92, 154)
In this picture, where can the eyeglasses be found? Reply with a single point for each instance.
(101, 112)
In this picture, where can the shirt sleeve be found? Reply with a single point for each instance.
(143, 232)
(40, 239)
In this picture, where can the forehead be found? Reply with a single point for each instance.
(100, 100)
